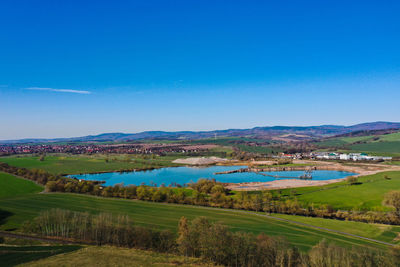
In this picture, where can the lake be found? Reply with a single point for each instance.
(184, 175)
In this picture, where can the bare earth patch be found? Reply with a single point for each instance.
(200, 161)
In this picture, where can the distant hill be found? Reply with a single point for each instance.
(268, 132)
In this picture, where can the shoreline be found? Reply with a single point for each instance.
(279, 184)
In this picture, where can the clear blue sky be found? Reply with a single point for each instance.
(72, 68)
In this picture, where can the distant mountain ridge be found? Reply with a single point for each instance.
(259, 132)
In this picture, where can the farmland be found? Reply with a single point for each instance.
(75, 164)
(10, 186)
(384, 144)
(25, 207)
(11, 255)
(112, 256)
(367, 195)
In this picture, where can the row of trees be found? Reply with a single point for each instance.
(208, 193)
(201, 238)
(101, 229)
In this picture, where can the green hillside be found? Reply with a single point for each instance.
(11, 186)
(167, 216)
(365, 196)
(70, 164)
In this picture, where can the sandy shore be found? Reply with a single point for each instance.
(279, 184)
(361, 169)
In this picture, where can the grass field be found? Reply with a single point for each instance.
(387, 144)
(22, 207)
(10, 186)
(341, 141)
(383, 147)
(75, 164)
(11, 255)
(381, 232)
(366, 196)
(390, 137)
(166, 216)
(112, 256)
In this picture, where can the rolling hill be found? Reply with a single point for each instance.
(306, 132)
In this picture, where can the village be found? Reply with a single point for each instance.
(334, 156)
(159, 149)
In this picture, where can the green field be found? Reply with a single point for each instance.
(10, 186)
(113, 256)
(381, 232)
(235, 142)
(365, 196)
(22, 252)
(390, 137)
(342, 141)
(166, 216)
(21, 208)
(383, 147)
(386, 144)
(11, 255)
(75, 164)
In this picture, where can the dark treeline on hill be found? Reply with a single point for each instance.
(260, 132)
(204, 193)
(211, 241)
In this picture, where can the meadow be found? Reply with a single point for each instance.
(382, 147)
(21, 208)
(386, 144)
(10, 186)
(76, 164)
(12, 255)
(113, 256)
(367, 195)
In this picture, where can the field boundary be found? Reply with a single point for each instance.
(287, 220)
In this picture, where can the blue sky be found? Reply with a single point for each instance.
(72, 68)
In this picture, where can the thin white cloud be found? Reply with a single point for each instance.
(60, 90)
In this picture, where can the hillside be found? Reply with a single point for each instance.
(375, 141)
(305, 132)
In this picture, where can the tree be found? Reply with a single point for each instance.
(183, 232)
(392, 198)
(351, 180)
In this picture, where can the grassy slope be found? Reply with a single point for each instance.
(10, 186)
(388, 143)
(164, 216)
(366, 196)
(376, 231)
(83, 164)
(387, 147)
(25, 207)
(14, 255)
(390, 137)
(112, 256)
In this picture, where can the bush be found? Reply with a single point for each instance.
(352, 180)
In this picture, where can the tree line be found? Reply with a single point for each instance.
(207, 193)
(201, 238)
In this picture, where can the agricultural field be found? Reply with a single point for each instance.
(236, 142)
(74, 255)
(20, 208)
(76, 164)
(12, 255)
(114, 256)
(10, 186)
(385, 144)
(380, 147)
(367, 195)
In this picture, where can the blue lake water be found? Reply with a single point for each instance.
(184, 175)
